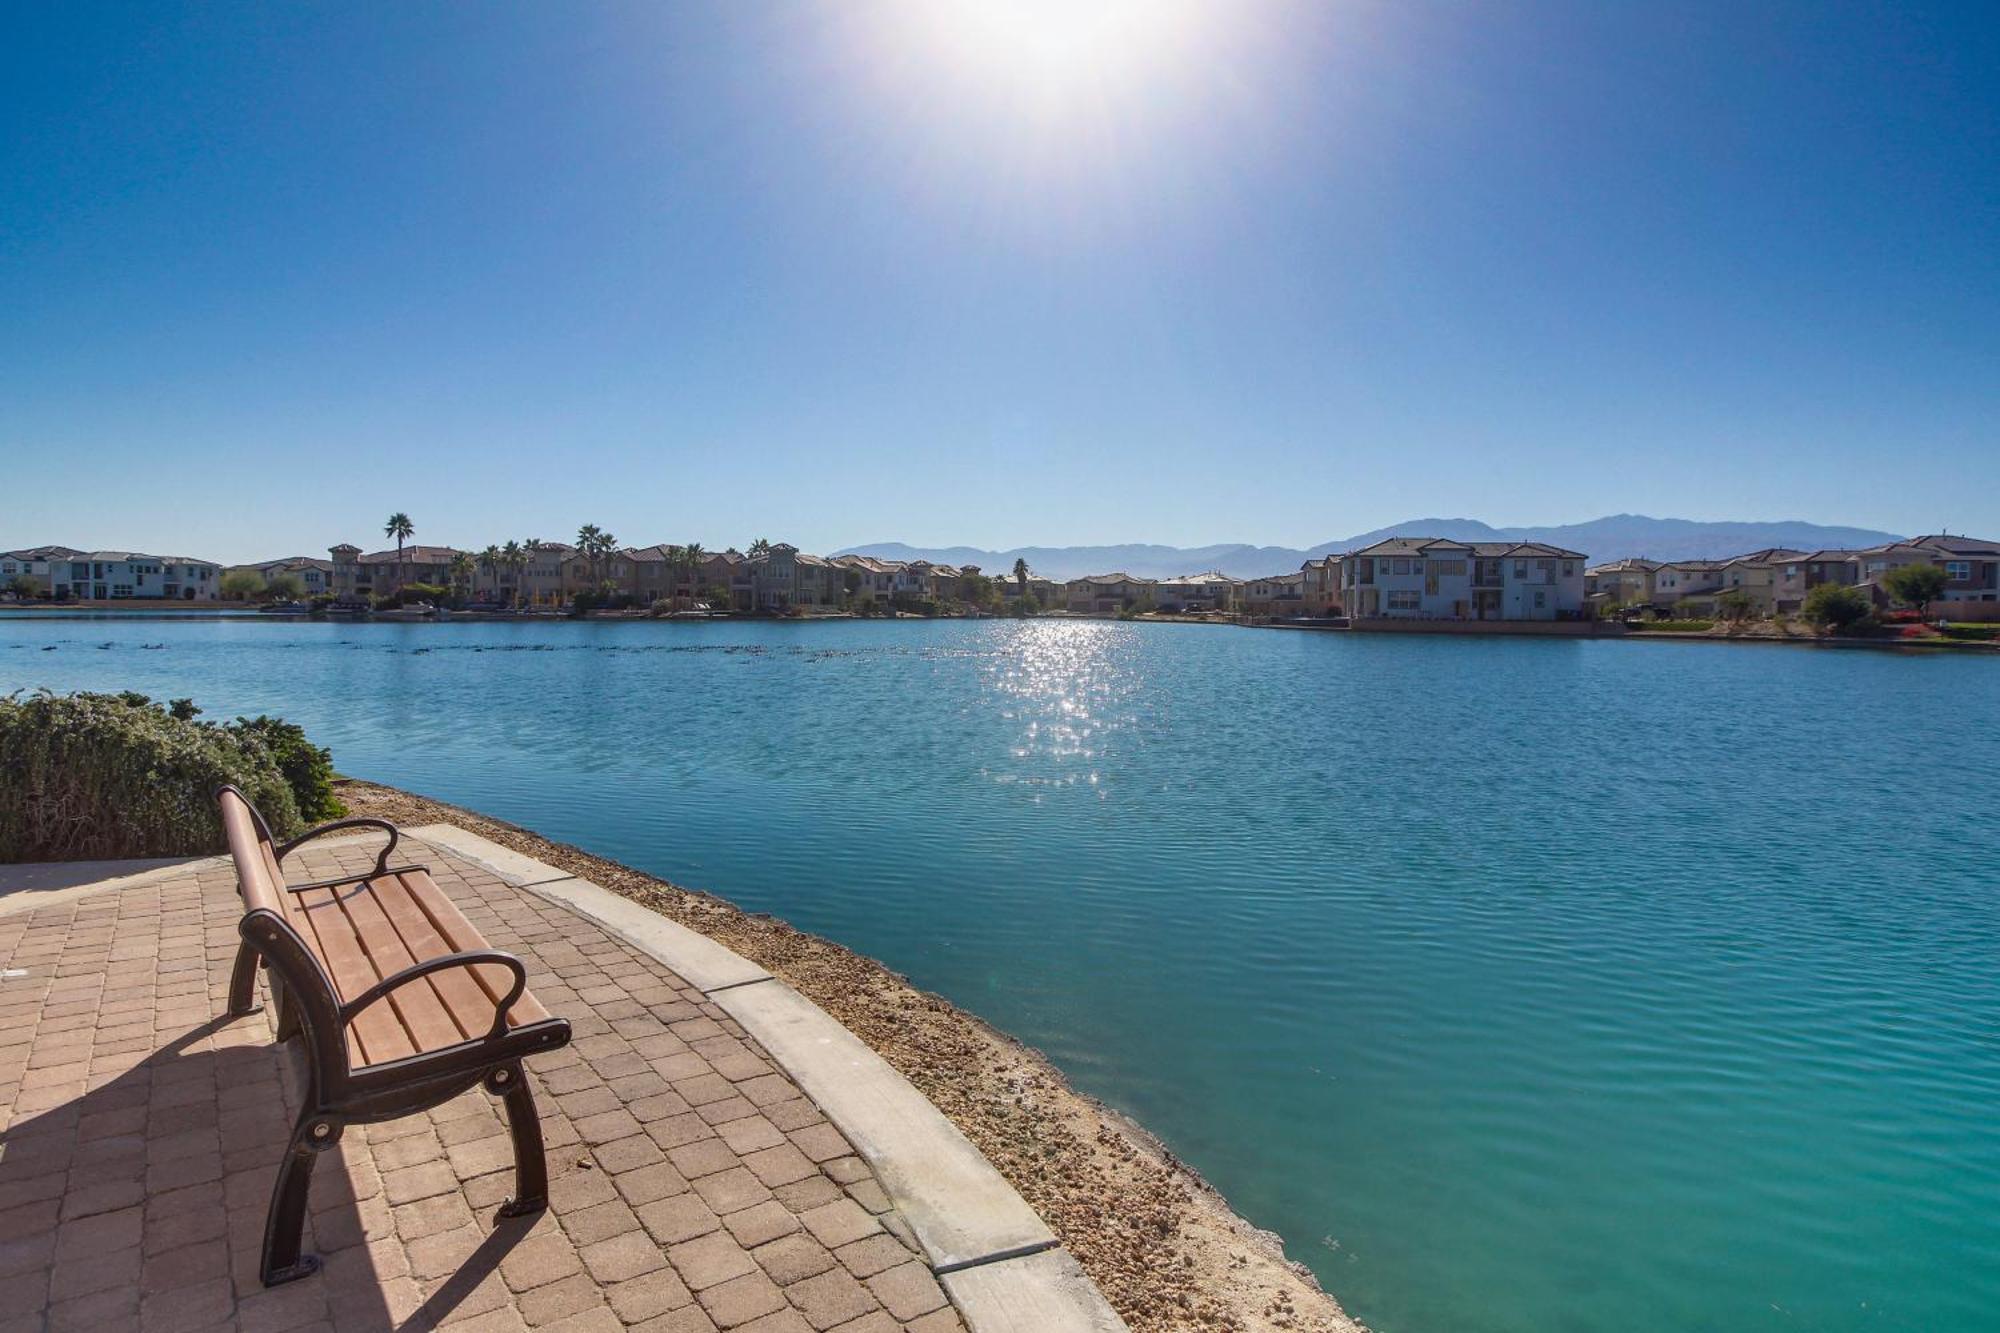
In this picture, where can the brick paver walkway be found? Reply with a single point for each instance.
(692, 1186)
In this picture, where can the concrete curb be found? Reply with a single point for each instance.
(993, 1253)
(963, 1211)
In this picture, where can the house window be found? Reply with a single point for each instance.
(1402, 566)
(1958, 571)
(1541, 599)
(1520, 569)
(1404, 599)
(1569, 568)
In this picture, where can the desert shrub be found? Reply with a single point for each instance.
(97, 775)
(307, 768)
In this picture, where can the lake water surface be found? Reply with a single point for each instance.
(1519, 984)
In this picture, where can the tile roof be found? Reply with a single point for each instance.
(412, 555)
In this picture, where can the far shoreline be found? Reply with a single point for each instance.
(233, 613)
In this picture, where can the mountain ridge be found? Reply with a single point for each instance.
(1612, 537)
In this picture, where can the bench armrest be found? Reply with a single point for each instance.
(359, 821)
(439, 964)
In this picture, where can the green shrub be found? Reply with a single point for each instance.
(1680, 626)
(86, 776)
(1836, 606)
(307, 768)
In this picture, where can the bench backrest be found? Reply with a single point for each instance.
(258, 877)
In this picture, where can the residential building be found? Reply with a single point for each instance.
(1319, 587)
(115, 576)
(1050, 593)
(1212, 591)
(1273, 595)
(38, 565)
(1971, 566)
(1100, 593)
(385, 573)
(1434, 579)
(1685, 580)
(1621, 582)
(784, 577)
(875, 581)
(1768, 578)
(314, 575)
(727, 581)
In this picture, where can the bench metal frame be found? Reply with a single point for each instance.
(338, 1095)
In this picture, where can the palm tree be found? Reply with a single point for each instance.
(399, 527)
(531, 551)
(489, 560)
(462, 565)
(761, 546)
(514, 559)
(692, 555)
(1021, 572)
(590, 539)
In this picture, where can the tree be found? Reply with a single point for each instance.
(22, 587)
(284, 586)
(489, 560)
(1734, 605)
(761, 546)
(1918, 585)
(399, 527)
(526, 553)
(240, 585)
(461, 567)
(1836, 606)
(1021, 574)
(691, 558)
(595, 543)
(514, 558)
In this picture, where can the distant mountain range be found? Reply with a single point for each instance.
(1610, 538)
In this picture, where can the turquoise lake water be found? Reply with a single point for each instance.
(1519, 984)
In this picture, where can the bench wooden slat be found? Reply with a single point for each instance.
(417, 1004)
(380, 1035)
(462, 935)
(470, 1007)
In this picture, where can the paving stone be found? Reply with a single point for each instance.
(740, 1300)
(793, 1258)
(622, 1257)
(907, 1290)
(762, 1222)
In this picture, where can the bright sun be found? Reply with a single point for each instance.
(1054, 51)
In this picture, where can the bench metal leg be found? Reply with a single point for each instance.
(531, 1168)
(243, 983)
(284, 1224)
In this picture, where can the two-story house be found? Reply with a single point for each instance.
(1431, 578)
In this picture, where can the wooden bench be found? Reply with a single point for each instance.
(398, 1000)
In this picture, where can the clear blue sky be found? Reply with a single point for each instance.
(837, 273)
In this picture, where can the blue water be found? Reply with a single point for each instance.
(1519, 984)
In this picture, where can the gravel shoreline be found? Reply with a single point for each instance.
(1162, 1245)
